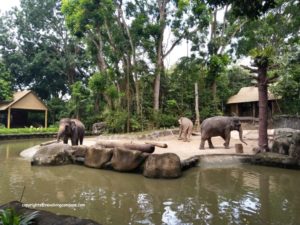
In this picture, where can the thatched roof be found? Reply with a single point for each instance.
(248, 94)
(24, 100)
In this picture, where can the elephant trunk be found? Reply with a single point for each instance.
(60, 133)
(241, 135)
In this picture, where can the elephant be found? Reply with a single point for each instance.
(185, 128)
(71, 128)
(220, 126)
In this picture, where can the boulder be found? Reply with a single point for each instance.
(97, 157)
(294, 150)
(124, 160)
(53, 154)
(283, 140)
(45, 217)
(98, 128)
(78, 153)
(275, 160)
(165, 165)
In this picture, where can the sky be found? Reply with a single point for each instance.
(7, 4)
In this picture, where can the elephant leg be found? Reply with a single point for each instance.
(202, 143)
(74, 141)
(65, 140)
(185, 131)
(81, 140)
(180, 133)
(210, 143)
(227, 140)
(189, 133)
(226, 143)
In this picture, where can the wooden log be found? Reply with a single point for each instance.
(48, 142)
(238, 148)
(190, 162)
(161, 145)
(149, 148)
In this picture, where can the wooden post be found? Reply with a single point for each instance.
(8, 118)
(238, 148)
(46, 118)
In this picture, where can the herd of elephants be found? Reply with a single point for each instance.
(221, 126)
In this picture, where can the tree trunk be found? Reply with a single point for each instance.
(263, 109)
(128, 94)
(122, 21)
(197, 122)
(159, 60)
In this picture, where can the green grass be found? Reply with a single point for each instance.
(28, 130)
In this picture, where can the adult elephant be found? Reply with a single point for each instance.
(220, 126)
(71, 128)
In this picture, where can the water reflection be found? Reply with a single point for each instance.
(238, 195)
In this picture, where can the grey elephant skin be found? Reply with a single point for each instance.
(185, 128)
(71, 128)
(220, 126)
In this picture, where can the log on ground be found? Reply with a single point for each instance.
(148, 148)
(161, 145)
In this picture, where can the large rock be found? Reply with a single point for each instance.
(294, 150)
(97, 157)
(127, 160)
(275, 160)
(78, 153)
(284, 138)
(53, 154)
(47, 218)
(98, 128)
(165, 165)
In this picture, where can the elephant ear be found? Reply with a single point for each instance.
(235, 122)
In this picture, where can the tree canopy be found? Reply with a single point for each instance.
(105, 60)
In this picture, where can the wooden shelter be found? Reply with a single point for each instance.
(15, 113)
(245, 103)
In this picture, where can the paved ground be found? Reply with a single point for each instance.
(188, 149)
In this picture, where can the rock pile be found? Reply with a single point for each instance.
(121, 157)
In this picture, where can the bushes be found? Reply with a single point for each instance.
(27, 130)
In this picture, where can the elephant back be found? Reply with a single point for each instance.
(215, 121)
(78, 123)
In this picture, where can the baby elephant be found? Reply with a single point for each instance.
(185, 128)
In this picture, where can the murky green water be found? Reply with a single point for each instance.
(238, 195)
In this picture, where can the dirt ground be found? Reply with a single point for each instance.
(188, 149)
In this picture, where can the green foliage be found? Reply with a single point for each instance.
(123, 40)
(10, 217)
(5, 84)
(31, 130)
(237, 78)
(38, 52)
(79, 103)
(252, 9)
(168, 120)
(115, 120)
(216, 66)
(288, 85)
(57, 109)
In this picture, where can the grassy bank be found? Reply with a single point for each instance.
(28, 130)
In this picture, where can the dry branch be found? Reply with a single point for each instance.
(48, 142)
(161, 145)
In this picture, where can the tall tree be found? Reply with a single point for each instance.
(5, 84)
(266, 39)
(39, 52)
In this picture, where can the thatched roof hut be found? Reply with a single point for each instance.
(245, 102)
(15, 113)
